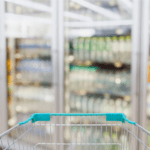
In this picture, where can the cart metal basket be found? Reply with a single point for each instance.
(110, 131)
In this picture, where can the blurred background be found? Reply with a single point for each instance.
(74, 56)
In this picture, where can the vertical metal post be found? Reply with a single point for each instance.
(144, 49)
(61, 54)
(12, 46)
(3, 70)
(136, 15)
(55, 53)
(61, 63)
(140, 41)
(55, 64)
(140, 55)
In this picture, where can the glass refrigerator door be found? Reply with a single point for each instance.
(29, 60)
(98, 56)
(30, 88)
(97, 52)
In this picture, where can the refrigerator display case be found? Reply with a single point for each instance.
(98, 60)
(30, 75)
(31, 58)
(33, 87)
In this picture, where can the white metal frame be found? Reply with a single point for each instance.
(140, 53)
(55, 62)
(3, 70)
(99, 23)
(28, 19)
(144, 53)
(55, 52)
(77, 16)
(61, 63)
(135, 60)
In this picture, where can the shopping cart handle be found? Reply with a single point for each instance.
(37, 117)
(109, 117)
(118, 117)
(24, 122)
(131, 122)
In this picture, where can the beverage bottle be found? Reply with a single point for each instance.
(128, 49)
(97, 103)
(115, 47)
(93, 48)
(72, 76)
(91, 105)
(72, 103)
(81, 49)
(75, 106)
(118, 82)
(83, 79)
(122, 53)
(118, 104)
(85, 104)
(105, 105)
(103, 50)
(108, 49)
(100, 48)
(76, 48)
(86, 79)
(88, 97)
(112, 106)
(87, 48)
(78, 103)
(77, 78)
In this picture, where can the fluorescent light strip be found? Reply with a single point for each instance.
(77, 16)
(100, 10)
(30, 4)
(98, 24)
(27, 19)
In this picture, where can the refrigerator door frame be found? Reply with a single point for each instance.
(135, 67)
(144, 53)
(139, 58)
(136, 42)
(61, 65)
(3, 71)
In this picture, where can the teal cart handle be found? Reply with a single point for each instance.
(37, 117)
(109, 117)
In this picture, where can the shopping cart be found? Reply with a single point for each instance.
(110, 131)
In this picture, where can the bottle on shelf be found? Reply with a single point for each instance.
(103, 49)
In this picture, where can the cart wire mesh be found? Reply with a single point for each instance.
(76, 132)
